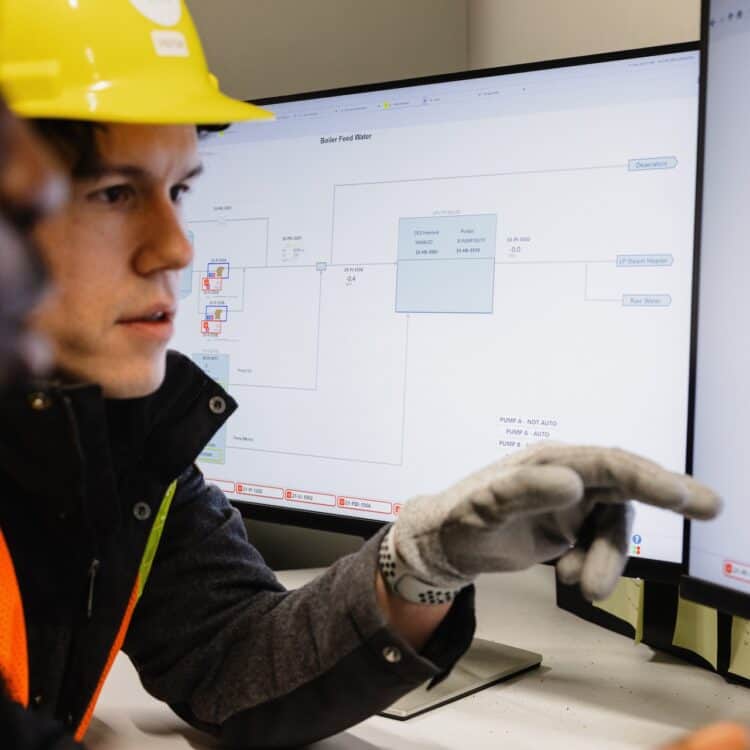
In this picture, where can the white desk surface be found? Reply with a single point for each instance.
(595, 689)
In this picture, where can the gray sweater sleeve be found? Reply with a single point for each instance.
(217, 637)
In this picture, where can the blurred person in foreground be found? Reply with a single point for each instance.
(32, 186)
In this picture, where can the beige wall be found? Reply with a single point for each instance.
(270, 47)
(264, 48)
(505, 32)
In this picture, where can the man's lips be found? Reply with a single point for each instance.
(155, 322)
(157, 313)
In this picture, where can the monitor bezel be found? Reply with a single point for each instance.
(693, 588)
(715, 596)
(637, 567)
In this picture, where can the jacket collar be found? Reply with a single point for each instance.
(56, 438)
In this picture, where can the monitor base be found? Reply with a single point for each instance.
(485, 663)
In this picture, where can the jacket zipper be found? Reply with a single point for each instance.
(93, 568)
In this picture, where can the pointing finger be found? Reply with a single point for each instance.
(635, 477)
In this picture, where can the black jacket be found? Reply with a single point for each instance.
(215, 635)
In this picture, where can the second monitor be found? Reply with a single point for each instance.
(719, 565)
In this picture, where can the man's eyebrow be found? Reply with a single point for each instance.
(99, 171)
(193, 173)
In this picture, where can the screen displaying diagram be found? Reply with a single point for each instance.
(402, 286)
(719, 549)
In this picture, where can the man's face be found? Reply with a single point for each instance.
(115, 253)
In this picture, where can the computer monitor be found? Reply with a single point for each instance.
(719, 559)
(403, 283)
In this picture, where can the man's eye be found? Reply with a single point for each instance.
(178, 191)
(115, 194)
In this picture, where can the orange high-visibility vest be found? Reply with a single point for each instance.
(14, 658)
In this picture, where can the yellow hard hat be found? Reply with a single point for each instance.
(137, 61)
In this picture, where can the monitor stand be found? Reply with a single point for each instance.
(485, 663)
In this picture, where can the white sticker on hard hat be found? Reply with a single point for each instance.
(163, 12)
(170, 44)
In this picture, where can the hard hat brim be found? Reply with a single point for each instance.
(146, 106)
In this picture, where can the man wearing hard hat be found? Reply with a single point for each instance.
(110, 538)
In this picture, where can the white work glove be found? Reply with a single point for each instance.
(546, 502)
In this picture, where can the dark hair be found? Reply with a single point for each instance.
(74, 141)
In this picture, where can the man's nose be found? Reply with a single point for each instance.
(167, 247)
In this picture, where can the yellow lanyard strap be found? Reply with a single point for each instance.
(152, 545)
